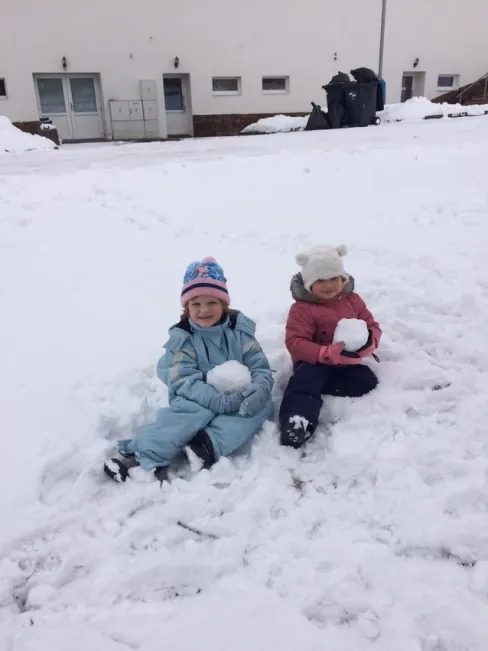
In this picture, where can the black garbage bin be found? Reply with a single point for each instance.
(336, 104)
(361, 103)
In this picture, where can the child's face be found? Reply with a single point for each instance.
(205, 311)
(324, 290)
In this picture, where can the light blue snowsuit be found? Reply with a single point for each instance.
(191, 352)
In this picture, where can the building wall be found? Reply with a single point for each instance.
(126, 42)
(447, 36)
(211, 38)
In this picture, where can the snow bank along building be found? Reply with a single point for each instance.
(117, 69)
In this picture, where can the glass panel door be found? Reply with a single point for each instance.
(173, 94)
(83, 94)
(51, 96)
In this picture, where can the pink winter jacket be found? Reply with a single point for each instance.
(311, 325)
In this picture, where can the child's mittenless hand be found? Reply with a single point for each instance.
(254, 398)
(226, 403)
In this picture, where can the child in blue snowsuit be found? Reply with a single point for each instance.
(210, 423)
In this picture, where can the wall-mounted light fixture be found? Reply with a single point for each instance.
(176, 62)
(64, 63)
(416, 62)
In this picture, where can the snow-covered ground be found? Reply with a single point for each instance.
(377, 536)
(15, 141)
(277, 124)
(417, 108)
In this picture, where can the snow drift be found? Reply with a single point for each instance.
(15, 141)
(417, 108)
(277, 124)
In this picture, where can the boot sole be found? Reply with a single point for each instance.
(116, 470)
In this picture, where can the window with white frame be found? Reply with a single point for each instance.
(275, 84)
(3, 88)
(445, 82)
(226, 85)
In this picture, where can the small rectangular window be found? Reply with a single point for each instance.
(447, 81)
(3, 88)
(275, 84)
(226, 85)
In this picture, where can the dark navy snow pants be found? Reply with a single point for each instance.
(309, 382)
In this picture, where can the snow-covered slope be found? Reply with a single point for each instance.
(15, 141)
(419, 108)
(376, 537)
(277, 124)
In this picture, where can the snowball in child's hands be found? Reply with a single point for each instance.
(229, 377)
(353, 333)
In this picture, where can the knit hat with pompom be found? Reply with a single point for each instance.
(322, 263)
(204, 278)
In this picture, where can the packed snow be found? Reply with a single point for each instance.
(375, 535)
(353, 333)
(299, 422)
(419, 108)
(15, 141)
(277, 124)
(229, 377)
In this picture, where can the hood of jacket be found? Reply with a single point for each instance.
(299, 292)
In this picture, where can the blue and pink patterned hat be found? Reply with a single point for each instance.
(204, 278)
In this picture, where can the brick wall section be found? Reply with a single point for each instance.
(475, 95)
(34, 128)
(227, 124)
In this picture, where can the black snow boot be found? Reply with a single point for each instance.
(202, 446)
(295, 432)
(118, 469)
(161, 474)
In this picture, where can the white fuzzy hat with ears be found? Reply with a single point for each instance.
(322, 263)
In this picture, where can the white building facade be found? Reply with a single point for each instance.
(114, 69)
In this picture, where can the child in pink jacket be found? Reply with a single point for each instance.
(324, 295)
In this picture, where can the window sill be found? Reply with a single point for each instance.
(275, 92)
(446, 89)
(3, 97)
(221, 93)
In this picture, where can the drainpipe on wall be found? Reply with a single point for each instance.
(382, 37)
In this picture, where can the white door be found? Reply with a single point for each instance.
(73, 103)
(85, 108)
(53, 104)
(413, 85)
(179, 119)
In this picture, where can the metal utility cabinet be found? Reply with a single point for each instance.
(136, 119)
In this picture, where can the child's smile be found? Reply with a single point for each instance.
(325, 290)
(205, 311)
